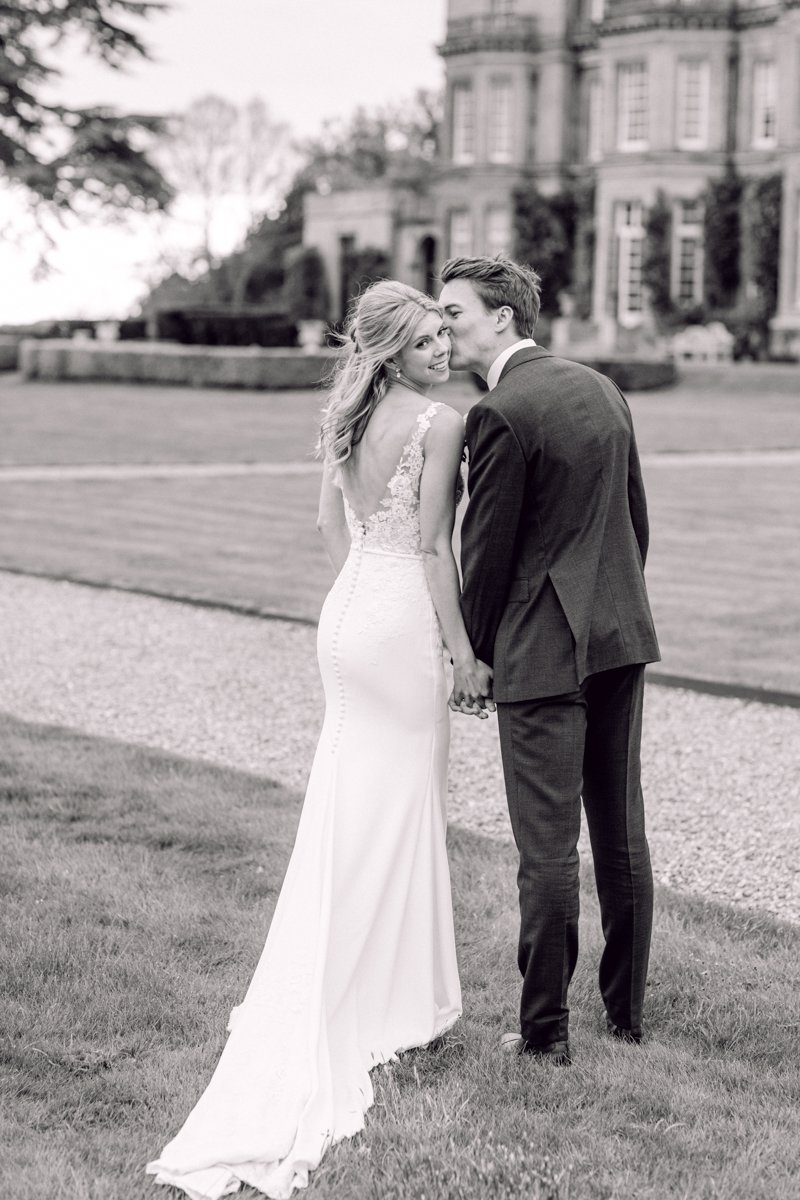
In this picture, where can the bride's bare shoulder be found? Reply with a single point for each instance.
(448, 411)
(446, 433)
(449, 419)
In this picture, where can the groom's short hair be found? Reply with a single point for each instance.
(500, 281)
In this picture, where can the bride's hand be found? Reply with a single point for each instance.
(472, 688)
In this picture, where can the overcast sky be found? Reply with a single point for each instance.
(308, 59)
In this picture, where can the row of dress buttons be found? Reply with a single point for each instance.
(337, 733)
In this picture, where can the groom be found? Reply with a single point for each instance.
(552, 549)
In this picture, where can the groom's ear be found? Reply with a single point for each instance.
(503, 317)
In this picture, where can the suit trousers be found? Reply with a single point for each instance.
(555, 750)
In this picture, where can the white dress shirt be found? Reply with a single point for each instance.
(493, 377)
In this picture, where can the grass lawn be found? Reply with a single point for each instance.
(46, 423)
(749, 406)
(250, 542)
(137, 889)
(746, 406)
(724, 571)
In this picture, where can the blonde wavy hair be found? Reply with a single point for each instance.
(381, 322)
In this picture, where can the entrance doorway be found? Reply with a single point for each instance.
(427, 264)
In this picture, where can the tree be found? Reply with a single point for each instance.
(397, 142)
(70, 159)
(217, 154)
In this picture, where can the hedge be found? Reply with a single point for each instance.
(225, 327)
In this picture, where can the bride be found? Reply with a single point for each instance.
(359, 963)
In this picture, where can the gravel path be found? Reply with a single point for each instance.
(219, 470)
(720, 775)
(103, 471)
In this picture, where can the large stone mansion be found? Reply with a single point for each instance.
(642, 96)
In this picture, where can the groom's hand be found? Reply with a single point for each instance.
(472, 689)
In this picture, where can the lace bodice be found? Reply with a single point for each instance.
(394, 526)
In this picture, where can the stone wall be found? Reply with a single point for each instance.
(9, 353)
(167, 362)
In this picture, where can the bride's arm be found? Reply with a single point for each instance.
(444, 445)
(331, 521)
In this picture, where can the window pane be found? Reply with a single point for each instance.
(594, 139)
(632, 106)
(765, 108)
(693, 87)
(460, 233)
(498, 231)
(463, 123)
(635, 246)
(500, 120)
(691, 212)
(628, 249)
(687, 270)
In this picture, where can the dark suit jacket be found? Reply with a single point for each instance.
(555, 535)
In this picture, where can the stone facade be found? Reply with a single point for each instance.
(640, 96)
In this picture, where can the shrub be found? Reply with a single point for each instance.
(749, 324)
(134, 329)
(226, 327)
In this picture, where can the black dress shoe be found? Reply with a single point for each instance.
(632, 1036)
(557, 1053)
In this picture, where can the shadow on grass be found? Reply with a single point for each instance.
(136, 892)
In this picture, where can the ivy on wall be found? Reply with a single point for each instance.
(584, 245)
(657, 256)
(544, 230)
(762, 219)
(722, 240)
(741, 233)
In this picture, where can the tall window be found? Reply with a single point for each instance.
(463, 123)
(498, 230)
(687, 270)
(632, 106)
(630, 246)
(594, 124)
(596, 10)
(765, 103)
(693, 96)
(499, 139)
(460, 233)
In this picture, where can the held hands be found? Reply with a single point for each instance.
(472, 689)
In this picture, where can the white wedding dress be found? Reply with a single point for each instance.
(360, 959)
